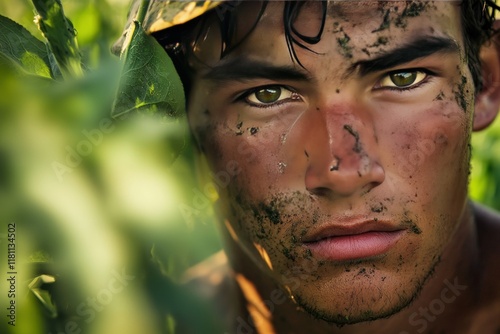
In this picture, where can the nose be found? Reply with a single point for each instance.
(342, 152)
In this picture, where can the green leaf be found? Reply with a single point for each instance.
(149, 81)
(61, 36)
(18, 45)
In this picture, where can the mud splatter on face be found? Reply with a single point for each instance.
(412, 9)
(460, 95)
(365, 50)
(337, 164)
(281, 167)
(343, 42)
(410, 224)
(382, 40)
(239, 132)
(253, 130)
(286, 252)
(376, 46)
(271, 211)
(357, 145)
(385, 23)
(379, 207)
(440, 96)
(415, 229)
(283, 138)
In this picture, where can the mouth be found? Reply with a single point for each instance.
(353, 242)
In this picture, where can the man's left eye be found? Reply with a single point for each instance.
(402, 79)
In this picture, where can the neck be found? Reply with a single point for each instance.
(448, 293)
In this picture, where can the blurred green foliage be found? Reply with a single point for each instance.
(485, 176)
(92, 197)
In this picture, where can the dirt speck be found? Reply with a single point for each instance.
(379, 207)
(382, 40)
(253, 130)
(337, 164)
(440, 96)
(386, 22)
(281, 167)
(238, 126)
(283, 138)
(415, 229)
(361, 271)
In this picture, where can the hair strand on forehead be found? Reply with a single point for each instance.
(290, 13)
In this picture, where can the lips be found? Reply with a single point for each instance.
(341, 242)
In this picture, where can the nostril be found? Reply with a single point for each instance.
(368, 187)
(320, 191)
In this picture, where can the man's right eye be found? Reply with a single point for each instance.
(269, 96)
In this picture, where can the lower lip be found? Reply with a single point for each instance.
(352, 247)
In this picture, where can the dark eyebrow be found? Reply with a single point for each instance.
(242, 68)
(419, 48)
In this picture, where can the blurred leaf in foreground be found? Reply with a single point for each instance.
(149, 81)
(61, 36)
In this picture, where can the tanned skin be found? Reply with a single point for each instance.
(370, 133)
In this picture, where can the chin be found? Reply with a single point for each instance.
(361, 294)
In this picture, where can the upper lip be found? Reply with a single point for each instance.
(345, 227)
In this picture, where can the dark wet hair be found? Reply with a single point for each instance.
(477, 17)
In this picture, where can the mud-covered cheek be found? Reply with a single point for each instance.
(433, 159)
(264, 228)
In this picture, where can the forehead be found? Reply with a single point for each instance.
(390, 14)
(366, 8)
(353, 22)
(362, 28)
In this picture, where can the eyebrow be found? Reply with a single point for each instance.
(243, 68)
(419, 48)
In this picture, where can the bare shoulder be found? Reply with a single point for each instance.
(213, 282)
(488, 228)
(208, 276)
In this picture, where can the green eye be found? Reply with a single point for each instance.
(267, 96)
(403, 79)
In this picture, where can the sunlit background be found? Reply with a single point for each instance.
(99, 205)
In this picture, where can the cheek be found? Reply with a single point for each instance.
(430, 151)
(258, 153)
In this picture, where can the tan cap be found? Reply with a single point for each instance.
(163, 14)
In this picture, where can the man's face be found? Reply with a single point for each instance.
(350, 173)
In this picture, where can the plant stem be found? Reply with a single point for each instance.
(141, 13)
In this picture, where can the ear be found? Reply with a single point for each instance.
(488, 99)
